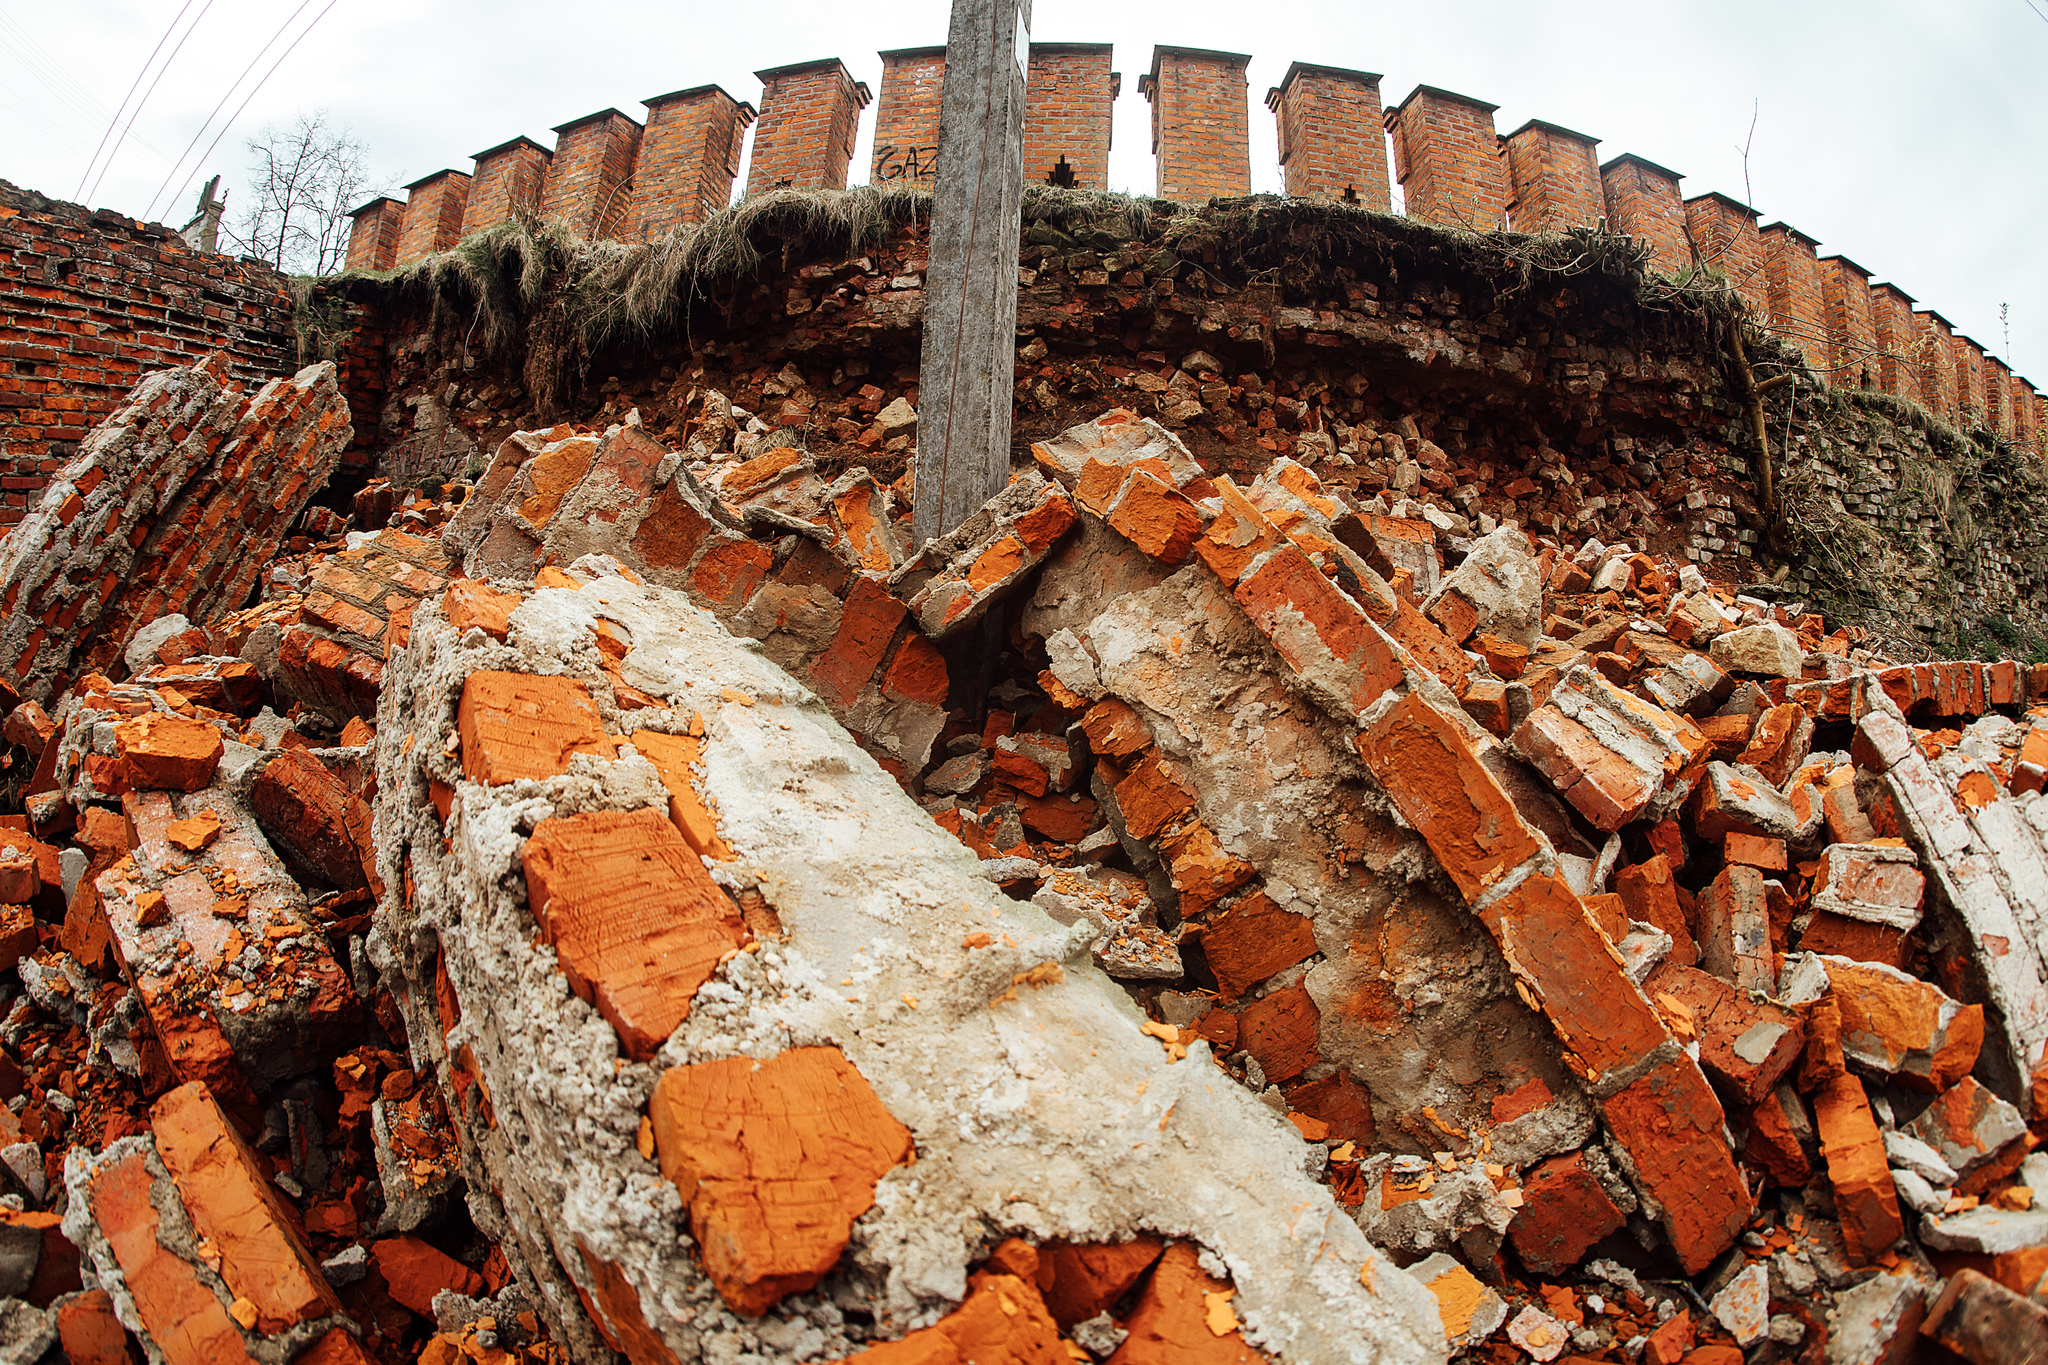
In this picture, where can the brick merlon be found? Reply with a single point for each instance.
(1790, 231)
(430, 179)
(508, 146)
(380, 199)
(1150, 80)
(1632, 159)
(592, 118)
(770, 75)
(1724, 200)
(1342, 73)
(1557, 128)
(654, 101)
(1849, 264)
(1440, 93)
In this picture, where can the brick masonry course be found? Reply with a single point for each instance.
(92, 301)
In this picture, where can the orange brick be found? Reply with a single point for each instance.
(636, 922)
(775, 1160)
(168, 752)
(523, 725)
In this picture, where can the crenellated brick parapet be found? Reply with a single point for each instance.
(1199, 111)
(1792, 284)
(589, 184)
(689, 154)
(1555, 178)
(1447, 159)
(810, 115)
(1852, 326)
(1333, 141)
(907, 116)
(1067, 104)
(611, 177)
(433, 215)
(1725, 232)
(373, 233)
(1643, 201)
(507, 182)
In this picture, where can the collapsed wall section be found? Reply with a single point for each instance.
(857, 937)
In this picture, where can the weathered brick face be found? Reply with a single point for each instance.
(1937, 363)
(2026, 413)
(907, 116)
(1067, 104)
(589, 183)
(1199, 122)
(1898, 340)
(1333, 137)
(1997, 396)
(1447, 158)
(433, 215)
(1555, 178)
(1726, 232)
(810, 114)
(1792, 283)
(373, 234)
(1852, 331)
(1969, 367)
(89, 302)
(689, 154)
(507, 182)
(1643, 201)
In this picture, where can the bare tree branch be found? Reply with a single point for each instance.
(303, 181)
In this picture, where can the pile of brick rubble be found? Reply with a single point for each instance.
(642, 904)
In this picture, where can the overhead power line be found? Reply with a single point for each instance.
(253, 90)
(79, 193)
(137, 113)
(226, 95)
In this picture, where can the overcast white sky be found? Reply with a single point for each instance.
(1906, 134)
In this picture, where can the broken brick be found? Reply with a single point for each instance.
(636, 922)
(1857, 1169)
(775, 1159)
(168, 752)
(1565, 1211)
(525, 725)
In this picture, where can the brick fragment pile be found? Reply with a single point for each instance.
(643, 905)
(173, 506)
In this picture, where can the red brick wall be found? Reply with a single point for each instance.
(373, 234)
(1200, 112)
(433, 215)
(89, 303)
(1333, 135)
(1937, 363)
(1555, 178)
(1726, 232)
(2026, 430)
(1997, 396)
(1067, 104)
(507, 181)
(1898, 340)
(689, 154)
(1643, 201)
(1792, 286)
(1969, 363)
(1447, 158)
(810, 114)
(589, 184)
(907, 116)
(1852, 333)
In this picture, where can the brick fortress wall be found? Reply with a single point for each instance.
(91, 301)
(1332, 142)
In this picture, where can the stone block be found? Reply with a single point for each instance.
(1761, 651)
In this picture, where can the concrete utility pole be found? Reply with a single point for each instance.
(966, 373)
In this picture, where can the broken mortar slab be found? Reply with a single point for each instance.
(1047, 1090)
